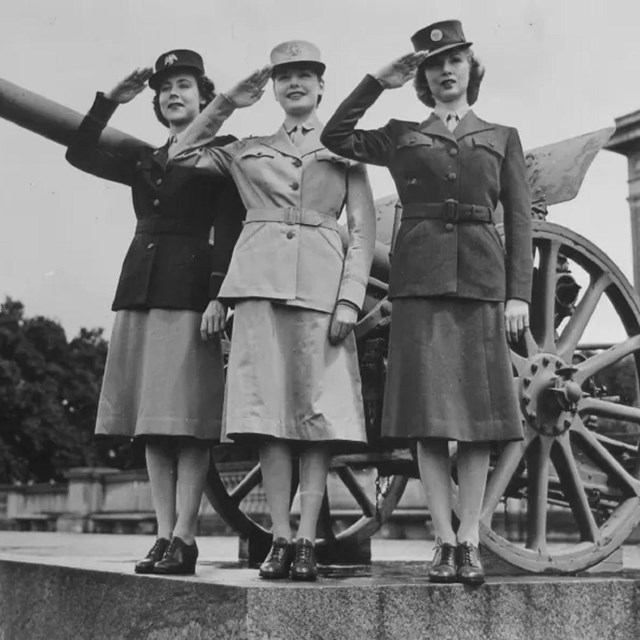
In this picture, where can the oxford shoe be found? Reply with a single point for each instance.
(155, 555)
(304, 563)
(179, 559)
(470, 569)
(276, 566)
(443, 566)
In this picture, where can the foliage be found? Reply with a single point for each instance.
(49, 390)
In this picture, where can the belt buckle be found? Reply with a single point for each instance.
(451, 210)
(292, 215)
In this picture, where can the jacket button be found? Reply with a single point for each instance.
(453, 152)
(156, 202)
(448, 226)
(291, 234)
(150, 245)
(159, 181)
(295, 186)
(451, 177)
(296, 162)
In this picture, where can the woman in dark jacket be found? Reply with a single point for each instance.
(164, 375)
(455, 292)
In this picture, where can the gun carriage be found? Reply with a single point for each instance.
(580, 451)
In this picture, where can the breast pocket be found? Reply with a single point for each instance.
(257, 164)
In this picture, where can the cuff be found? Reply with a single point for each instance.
(102, 109)
(215, 282)
(352, 292)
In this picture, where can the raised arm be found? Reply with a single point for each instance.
(83, 151)
(370, 146)
(361, 225)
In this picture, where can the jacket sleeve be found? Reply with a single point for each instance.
(516, 200)
(196, 148)
(85, 154)
(361, 226)
(341, 136)
(227, 228)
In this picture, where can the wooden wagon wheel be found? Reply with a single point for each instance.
(371, 507)
(565, 459)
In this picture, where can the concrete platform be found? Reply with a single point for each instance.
(65, 586)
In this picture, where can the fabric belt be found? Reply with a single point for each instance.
(167, 226)
(448, 211)
(294, 215)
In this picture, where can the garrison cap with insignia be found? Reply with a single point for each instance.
(439, 37)
(297, 52)
(173, 60)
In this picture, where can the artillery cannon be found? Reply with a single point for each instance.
(566, 457)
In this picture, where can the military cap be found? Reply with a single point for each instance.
(175, 60)
(439, 37)
(296, 52)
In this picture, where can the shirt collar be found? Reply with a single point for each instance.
(442, 112)
(308, 125)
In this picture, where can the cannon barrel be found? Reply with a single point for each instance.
(51, 119)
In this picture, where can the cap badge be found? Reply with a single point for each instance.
(436, 35)
(294, 50)
(170, 59)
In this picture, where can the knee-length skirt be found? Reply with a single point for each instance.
(161, 378)
(449, 372)
(285, 380)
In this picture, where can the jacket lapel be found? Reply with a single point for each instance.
(281, 142)
(434, 126)
(471, 124)
(311, 141)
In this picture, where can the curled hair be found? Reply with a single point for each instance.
(206, 89)
(476, 73)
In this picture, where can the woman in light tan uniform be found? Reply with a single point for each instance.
(293, 378)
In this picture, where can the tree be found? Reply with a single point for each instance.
(49, 391)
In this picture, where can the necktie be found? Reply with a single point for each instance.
(297, 136)
(452, 121)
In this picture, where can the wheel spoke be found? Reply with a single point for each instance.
(581, 316)
(546, 304)
(606, 358)
(518, 361)
(325, 520)
(607, 409)
(530, 344)
(605, 459)
(573, 489)
(501, 477)
(538, 466)
(246, 485)
(356, 490)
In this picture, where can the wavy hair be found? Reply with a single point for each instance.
(206, 89)
(476, 73)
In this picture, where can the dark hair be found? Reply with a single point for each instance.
(476, 73)
(206, 89)
(310, 66)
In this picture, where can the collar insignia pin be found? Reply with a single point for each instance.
(436, 35)
(170, 59)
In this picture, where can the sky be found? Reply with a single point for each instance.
(555, 69)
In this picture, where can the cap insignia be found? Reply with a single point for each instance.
(294, 50)
(436, 35)
(170, 59)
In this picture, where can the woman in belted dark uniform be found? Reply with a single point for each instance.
(456, 294)
(293, 384)
(163, 379)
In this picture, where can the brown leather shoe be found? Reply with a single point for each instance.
(179, 559)
(470, 570)
(443, 566)
(155, 555)
(276, 566)
(304, 564)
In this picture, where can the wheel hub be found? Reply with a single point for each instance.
(548, 394)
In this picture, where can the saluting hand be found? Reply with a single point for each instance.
(516, 318)
(128, 88)
(249, 90)
(214, 319)
(401, 70)
(343, 321)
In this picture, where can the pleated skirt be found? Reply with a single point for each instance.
(449, 372)
(285, 380)
(161, 378)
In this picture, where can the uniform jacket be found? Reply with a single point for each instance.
(289, 249)
(170, 263)
(478, 164)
